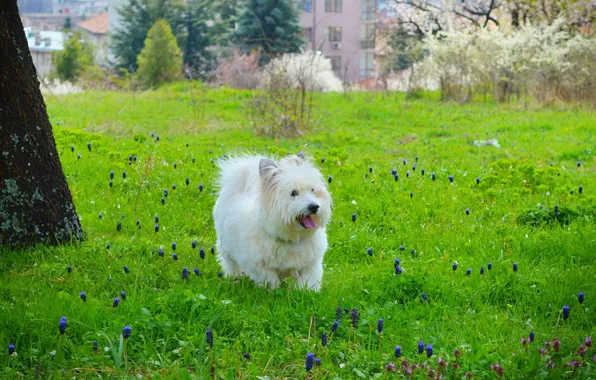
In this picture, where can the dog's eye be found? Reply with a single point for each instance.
(294, 193)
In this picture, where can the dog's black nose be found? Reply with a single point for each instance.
(313, 207)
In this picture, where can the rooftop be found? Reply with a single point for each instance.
(97, 24)
(47, 40)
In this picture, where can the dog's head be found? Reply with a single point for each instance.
(294, 196)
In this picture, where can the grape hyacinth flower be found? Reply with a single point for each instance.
(411, 194)
(565, 312)
(202, 253)
(370, 169)
(193, 244)
(396, 177)
(123, 295)
(220, 274)
(405, 162)
(175, 165)
(79, 156)
(454, 267)
(531, 337)
(477, 180)
(69, 269)
(175, 257)
(123, 175)
(165, 193)
(420, 347)
(579, 163)
(468, 272)
(334, 326)
(246, 356)
(310, 358)
(119, 227)
(185, 273)
(422, 171)
(213, 250)
(369, 251)
(187, 182)
(126, 332)
(100, 215)
(380, 325)
(481, 270)
(580, 297)
(83, 296)
(402, 248)
(89, 146)
(338, 314)
(196, 271)
(556, 211)
(355, 318)
(163, 201)
(174, 187)
(408, 174)
(581, 189)
(515, 267)
(174, 246)
(413, 168)
(63, 325)
(424, 296)
(451, 179)
(353, 217)
(116, 302)
(72, 148)
(126, 270)
(10, 349)
(329, 179)
(160, 252)
(200, 187)
(467, 211)
(112, 174)
(318, 362)
(393, 172)
(322, 160)
(95, 346)
(324, 339)
(209, 336)
(397, 351)
(490, 266)
(433, 176)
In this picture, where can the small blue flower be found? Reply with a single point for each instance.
(402, 248)
(324, 339)
(193, 160)
(72, 148)
(398, 270)
(322, 160)
(212, 250)
(424, 296)
(193, 244)
(405, 162)
(175, 257)
(467, 211)
(79, 156)
(353, 217)
(126, 332)
(393, 171)
(422, 171)
(556, 211)
(416, 158)
(63, 325)
(565, 312)
(163, 201)
(413, 168)
(83, 296)
(396, 177)
(116, 301)
(246, 356)
(581, 189)
(209, 336)
(220, 274)
(201, 187)
(490, 266)
(173, 246)
(477, 180)
(355, 318)
(123, 295)
(202, 253)
(531, 337)
(370, 169)
(429, 350)
(174, 187)
(310, 358)
(165, 193)
(69, 269)
(157, 228)
(420, 347)
(515, 267)
(454, 266)
(396, 262)
(187, 182)
(408, 174)
(318, 362)
(468, 272)
(95, 346)
(369, 251)
(451, 178)
(482, 270)
(334, 326)
(157, 219)
(433, 176)
(89, 146)
(580, 297)
(330, 179)
(123, 175)
(184, 273)
(175, 165)
(119, 226)
(100, 215)
(112, 174)
(196, 271)
(126, 270)
(380, 325)
(579, 163)
(397, 351)
(338, 314)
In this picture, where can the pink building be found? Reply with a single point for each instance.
(344, 31)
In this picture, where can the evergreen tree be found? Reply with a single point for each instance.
(67, 24)
(71, 62)
(137, 17)
(197, 59)
(160, 60)
(270, 26)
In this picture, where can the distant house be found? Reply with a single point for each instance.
(95, 30)
(42, 43)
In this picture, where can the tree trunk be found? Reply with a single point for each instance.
(35, 202)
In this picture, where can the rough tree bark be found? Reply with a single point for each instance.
(35, 202)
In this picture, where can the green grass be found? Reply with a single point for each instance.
(484, 316)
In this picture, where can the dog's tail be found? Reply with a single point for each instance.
(238, 175)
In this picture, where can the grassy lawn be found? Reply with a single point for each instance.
(421, 221)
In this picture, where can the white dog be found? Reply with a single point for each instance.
(270, 220)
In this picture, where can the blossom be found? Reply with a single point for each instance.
(116, 301)
(397, 351)
(580, 297)
(420, 347)
(126, 332)
(209, 336)
(429, 350)
(334, 326)
(390, 367)
(310, 357)
(355, 318)
(83, 296)
(184, 273)
(324, 339)
(10, 349)
(380, 325)
(63, 325)
(565, 312)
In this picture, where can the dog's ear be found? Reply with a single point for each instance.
(266, 168)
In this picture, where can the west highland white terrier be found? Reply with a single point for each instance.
(270, 219)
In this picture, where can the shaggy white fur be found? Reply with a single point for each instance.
(270, 219)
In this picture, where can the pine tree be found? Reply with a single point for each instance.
(76, 57)
(270, 26)
(160, 60)
(137, 17)
(197, 59)
(67, 24)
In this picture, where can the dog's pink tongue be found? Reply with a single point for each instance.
(309, 222)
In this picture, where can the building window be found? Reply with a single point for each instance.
(367, 65)
(305, 5)
(367, 36)
(334, 33)
(308, 34)
(333, 5)
(368, 10)
(335, 63)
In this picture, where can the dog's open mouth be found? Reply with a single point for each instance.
(307, 222)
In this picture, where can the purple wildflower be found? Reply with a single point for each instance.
(310, 358)
(429, 350)
(185, 273)
(355, 318)
(116, 301)
(175, 257)
(420, 347)
(334, 326)
(531, 337)
(397, 351)
(515, 267)
(123, 295)
(565, 312)
(318, 362)
(126, 332)
(369, 251)
(324, 339)
(380, 325)
(580, 297)
(390, 367)
(63, 325)
(209, 336)
(83, 296)
(10, 349)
